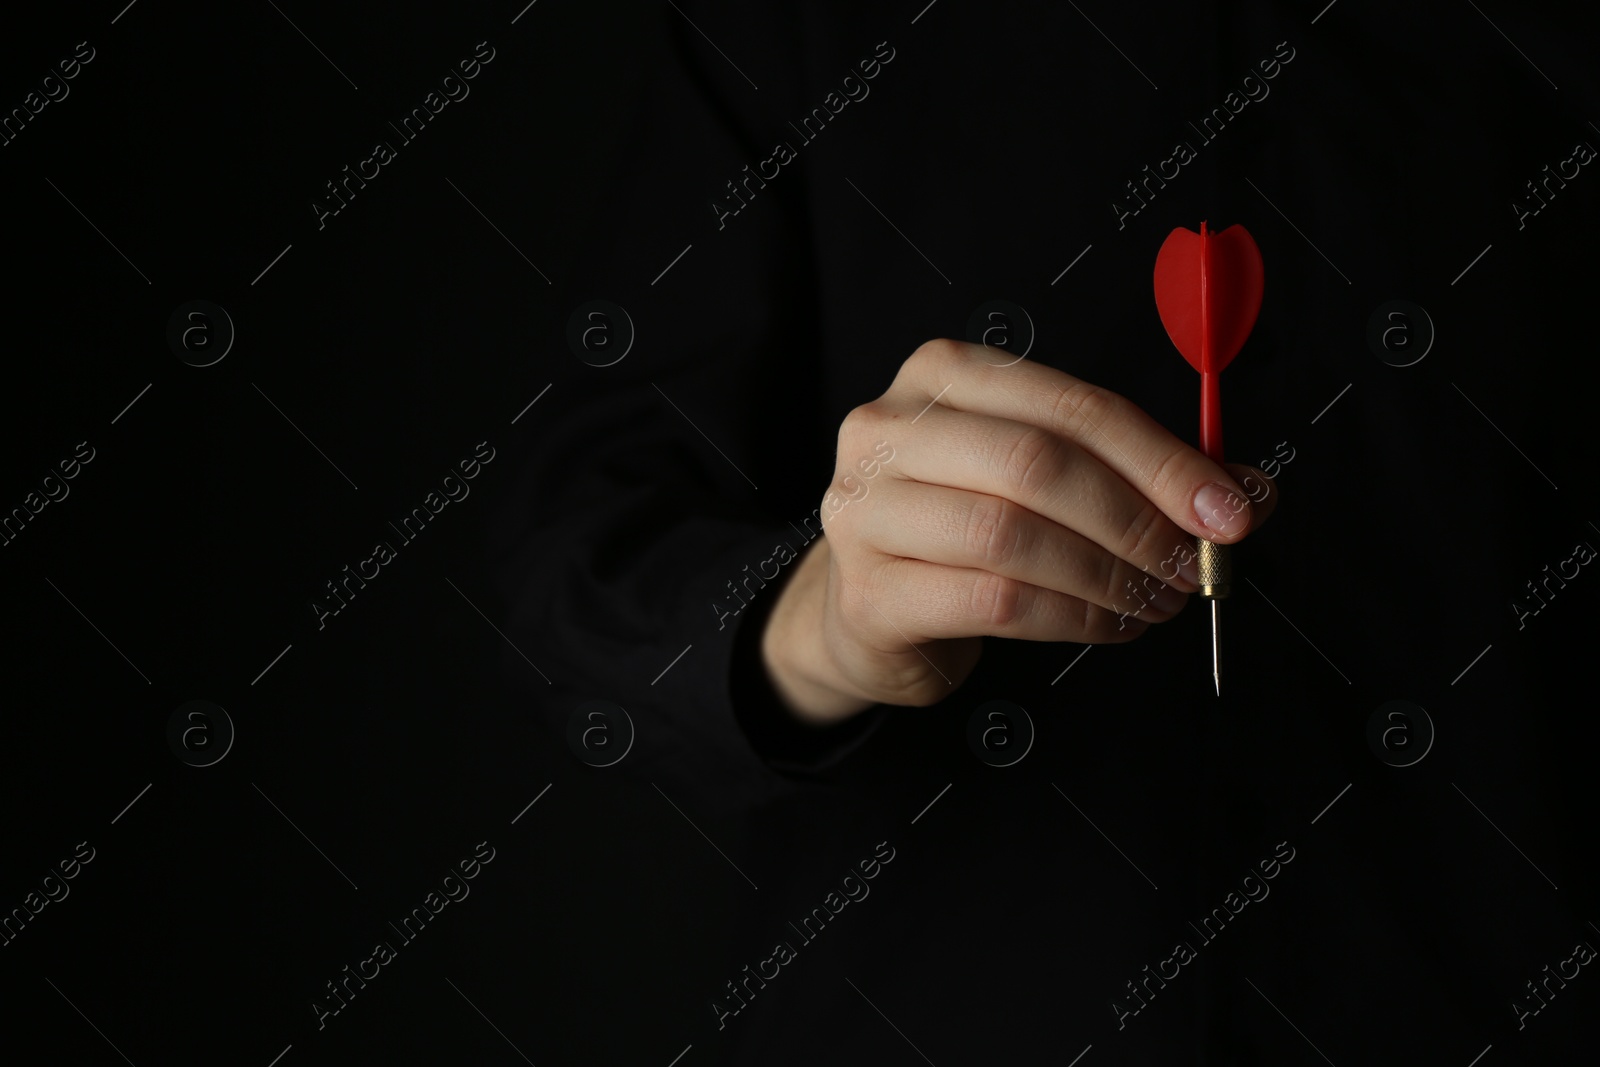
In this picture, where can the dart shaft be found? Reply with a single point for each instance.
(1211, 415)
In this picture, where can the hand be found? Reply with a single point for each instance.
(1017, 501)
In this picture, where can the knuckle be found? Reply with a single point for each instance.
(1117, 592)
(847, 482)
(994, 531)
(1141, 533)
(1031, 458)
(1174, 468)
(862, 438)
(938, 352)
(861, 589)
(996, 599)
(861, 418)
(1087, 404)
(1109, 578)
(1095, 622)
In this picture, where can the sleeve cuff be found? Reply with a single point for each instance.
(784, 743)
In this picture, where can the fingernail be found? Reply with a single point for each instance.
(1222, 510)
(1190, 569)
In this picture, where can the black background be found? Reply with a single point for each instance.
(406, 731)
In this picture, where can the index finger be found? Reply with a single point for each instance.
(1197, 494)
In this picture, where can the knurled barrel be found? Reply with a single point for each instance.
(1215, 574)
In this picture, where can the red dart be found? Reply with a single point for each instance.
(1208, 292)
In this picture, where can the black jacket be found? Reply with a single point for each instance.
(814, 190)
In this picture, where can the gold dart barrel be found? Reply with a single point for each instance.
(1216, 580)
(1216, 575)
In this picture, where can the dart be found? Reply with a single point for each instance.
(1208, 292)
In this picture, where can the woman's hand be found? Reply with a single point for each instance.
(1016, 501)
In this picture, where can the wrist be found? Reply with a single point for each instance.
(795, 656)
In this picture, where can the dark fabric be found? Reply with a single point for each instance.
(1401, 923)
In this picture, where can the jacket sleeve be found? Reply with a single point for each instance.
(657, 493)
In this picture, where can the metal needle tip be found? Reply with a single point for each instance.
(1216, 644)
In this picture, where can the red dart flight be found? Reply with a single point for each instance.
(1208, 291)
